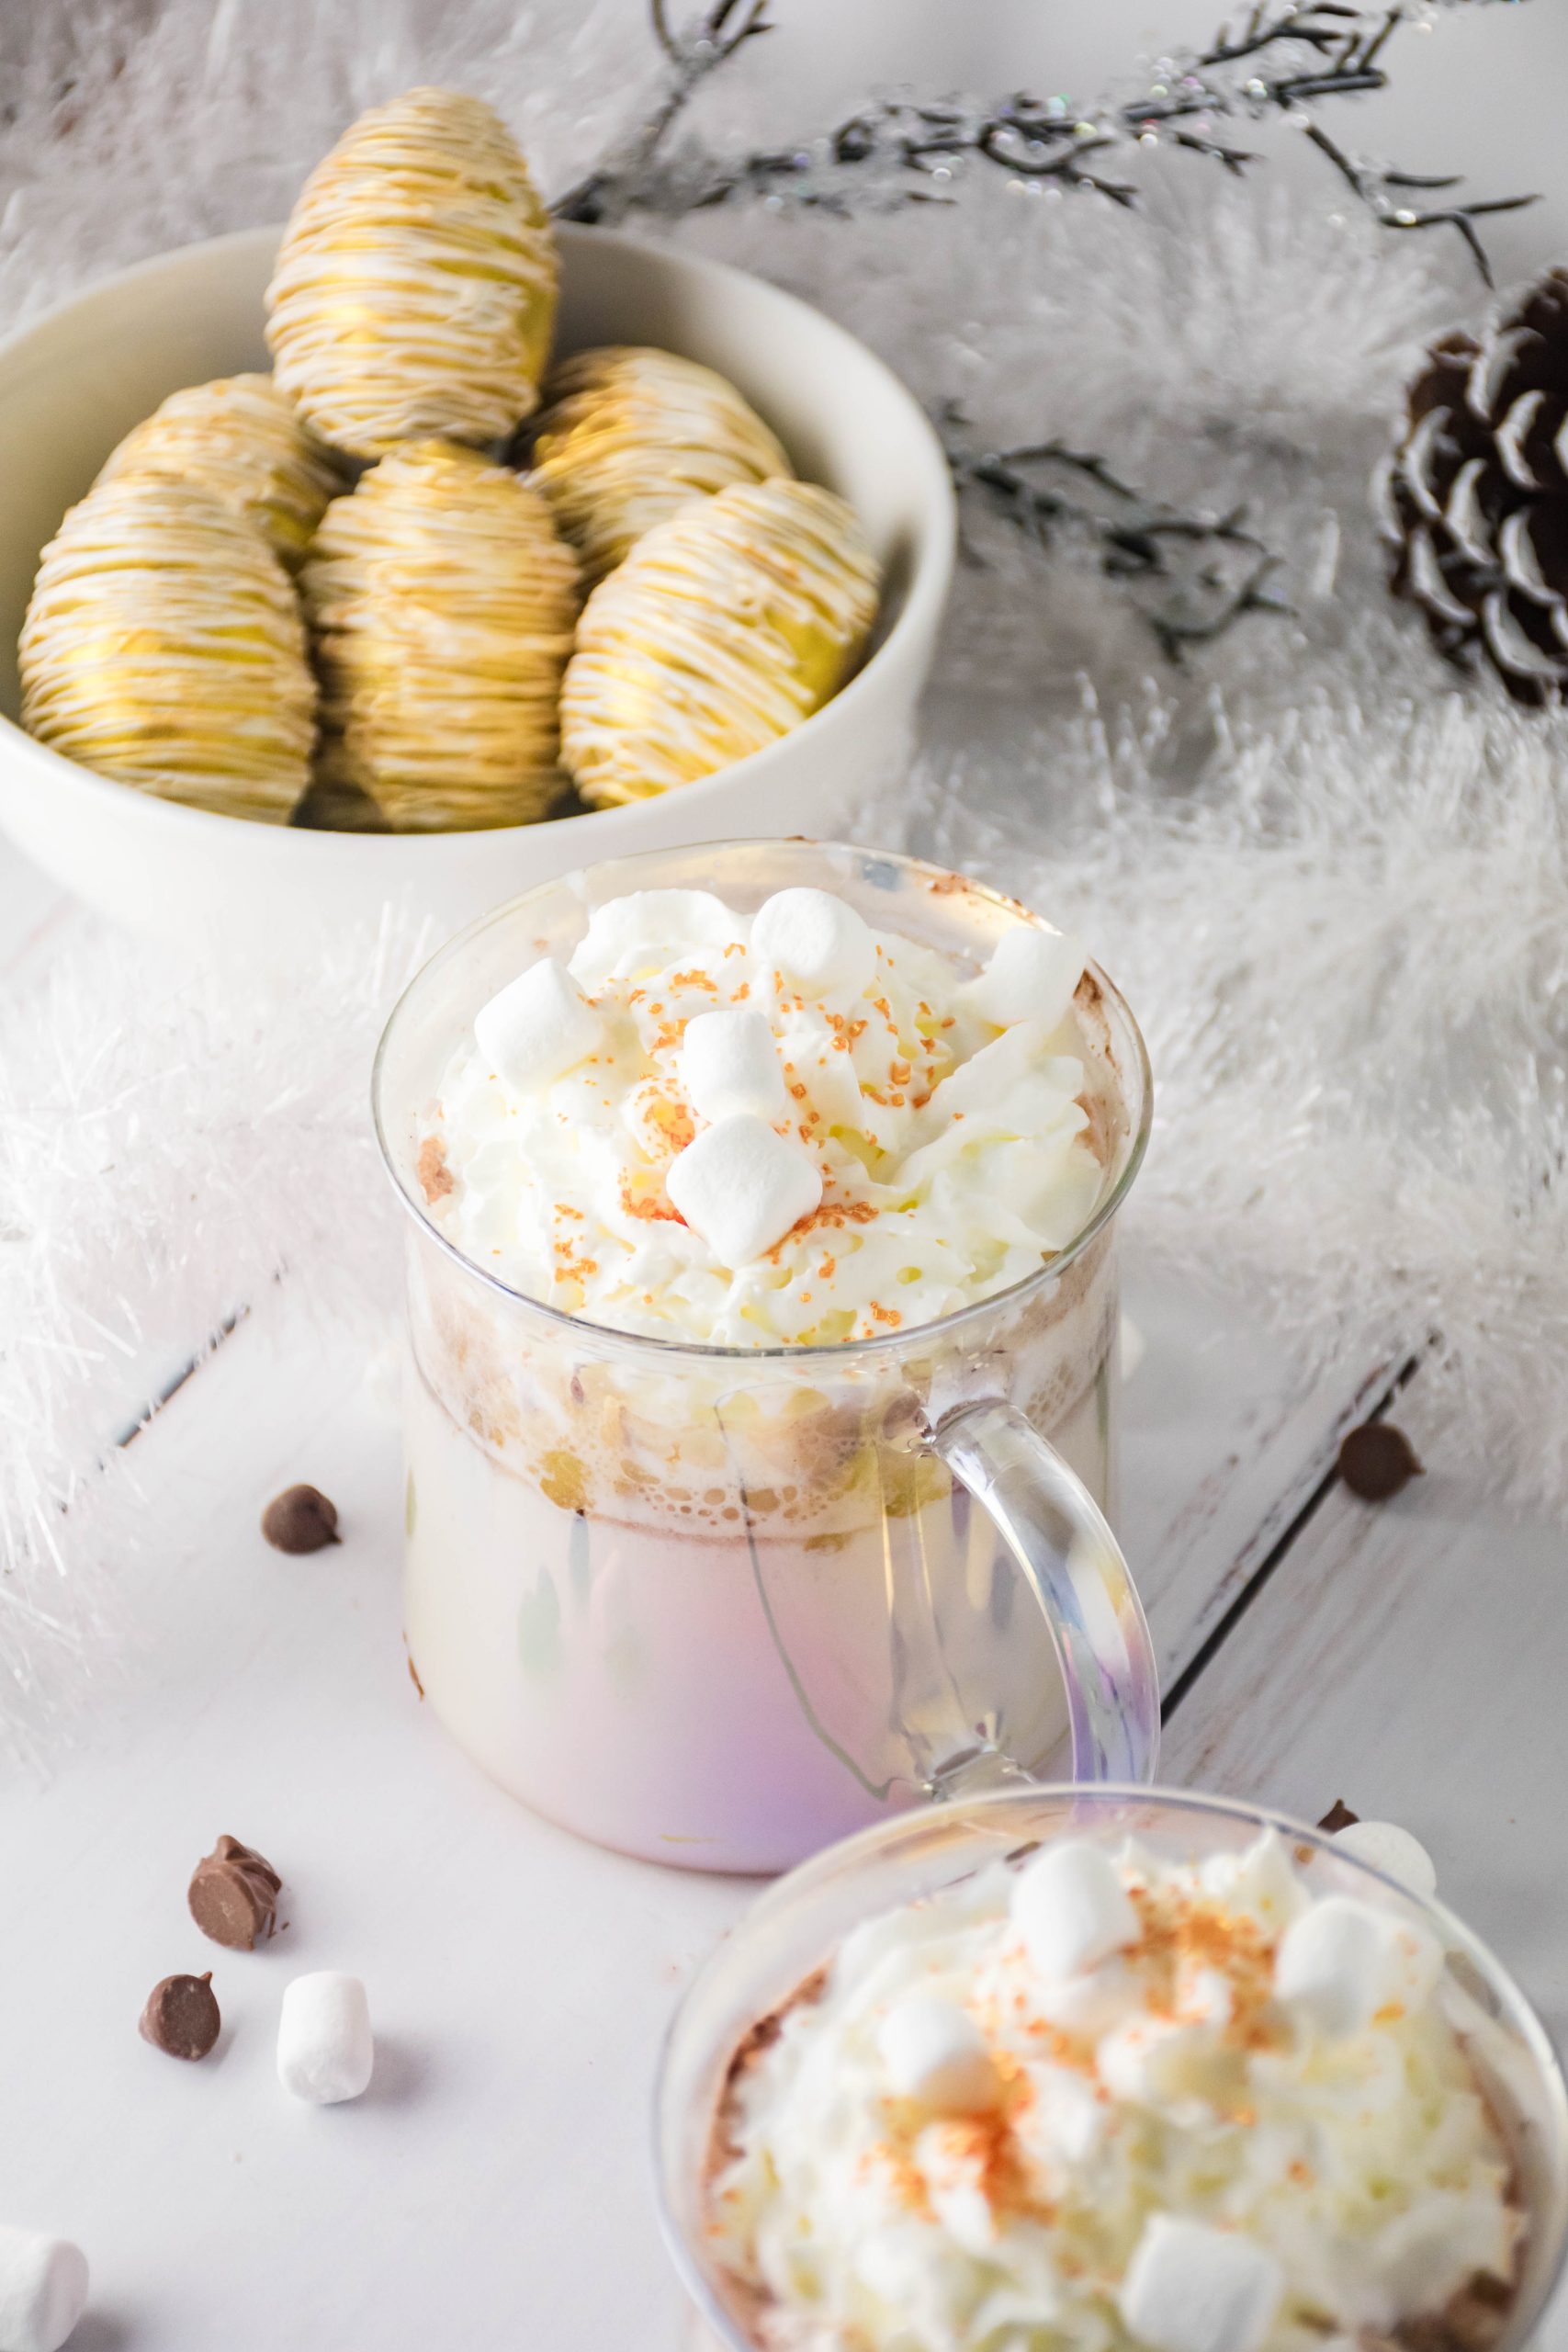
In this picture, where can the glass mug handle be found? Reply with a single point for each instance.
(1073, 1566)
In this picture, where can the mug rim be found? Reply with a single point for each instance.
(847, 1853)
(883, 1343)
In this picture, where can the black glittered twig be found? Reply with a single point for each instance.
(691, 55)
(1226, 570)
(1285, 60)
(1373, 190)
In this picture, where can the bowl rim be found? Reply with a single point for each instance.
(932, 558)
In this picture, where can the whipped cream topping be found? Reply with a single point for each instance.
(1106, 2100)
(743, 1130)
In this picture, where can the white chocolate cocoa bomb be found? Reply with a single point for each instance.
(631, 436)
(245, 444)
(415, 286)
(784, 1127)
(726, 627)
(1111, 2100)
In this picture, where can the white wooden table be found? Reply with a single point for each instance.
(492, 2190)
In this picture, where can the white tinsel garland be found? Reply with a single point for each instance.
(1348, 949)
(1336, 889)
(170, 1146)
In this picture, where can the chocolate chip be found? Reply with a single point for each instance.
(1338, 1816)
(1470, 2321)
(233, 1897)
(301, 1520)
(181, 2016)
(1377, 1459)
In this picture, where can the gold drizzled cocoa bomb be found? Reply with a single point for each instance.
(416, 288)
(442, 598)
(629, 435)
(245, 441)
(164, 647)
(723, 628)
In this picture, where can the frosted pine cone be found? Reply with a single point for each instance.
(1474, 499)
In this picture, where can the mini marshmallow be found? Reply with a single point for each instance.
(740, 1187)
(1030, 977)
(1091, 2003)
(1392, 1850)
(1192, 2288)
(635, 933)
(936, 2054)
(1071, 1909)
(814, 940)
(1154, 2061)
(539, 1027)
(43, 2290)
(1065, 2121)
(1332, 1965)
(730, 1063)
(324, 2048)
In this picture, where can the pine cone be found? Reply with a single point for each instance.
(1474, 499)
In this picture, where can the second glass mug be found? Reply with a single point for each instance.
(798, 1925)
(719, 1606)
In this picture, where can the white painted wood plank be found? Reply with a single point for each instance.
(1410, 1657)
(1225, 1443)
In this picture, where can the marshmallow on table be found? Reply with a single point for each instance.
(325, 2050)
(730, 1063)
(539, 1027)
(1192, 2288)
(43, 2290)
(814, 940)
(1392, 1850)
(1071, 1908)
(936, 2054)
(740, 1187)
(1030, 977)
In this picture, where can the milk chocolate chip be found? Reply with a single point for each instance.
(181, 2016)
(301, 1520)
(233, 1895)
(1338, 1816)
(1377, 1459)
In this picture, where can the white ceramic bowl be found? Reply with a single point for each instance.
(71, 385)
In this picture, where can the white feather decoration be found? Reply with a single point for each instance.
(1348, 948)
(169, 1146)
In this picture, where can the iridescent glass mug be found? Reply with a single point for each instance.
(798, 1925)
(720, 1606)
